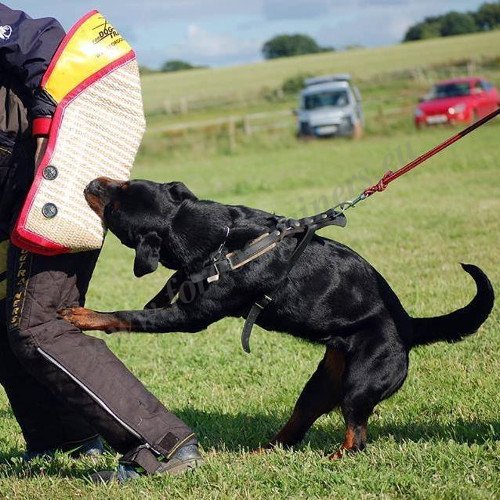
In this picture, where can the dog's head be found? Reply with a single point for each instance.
(137, 212)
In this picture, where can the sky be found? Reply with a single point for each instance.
(229, 32)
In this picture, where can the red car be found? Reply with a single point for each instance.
(460, 100)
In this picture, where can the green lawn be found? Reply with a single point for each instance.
(437, 437)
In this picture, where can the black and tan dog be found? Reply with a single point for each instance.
(332, 296)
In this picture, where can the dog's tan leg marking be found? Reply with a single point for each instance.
(354, 440)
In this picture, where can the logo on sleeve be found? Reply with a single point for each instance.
(5, 32)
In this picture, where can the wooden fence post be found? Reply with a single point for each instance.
(231, 128)
(247, 128)
(380, 115)
(183, 105)
(471, 67)
(167, 107)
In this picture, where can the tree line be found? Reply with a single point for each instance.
(486, 18)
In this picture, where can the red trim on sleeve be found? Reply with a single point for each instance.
(41, 125)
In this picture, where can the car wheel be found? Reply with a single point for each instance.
(304, 137)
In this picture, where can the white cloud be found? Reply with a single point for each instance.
(202, 46)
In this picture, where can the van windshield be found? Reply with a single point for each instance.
(337, 98)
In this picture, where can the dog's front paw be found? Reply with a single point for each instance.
(82, 318)
(87, 319)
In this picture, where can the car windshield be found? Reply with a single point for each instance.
(328, 98)
(450, 90)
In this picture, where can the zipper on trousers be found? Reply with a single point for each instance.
(97, 399)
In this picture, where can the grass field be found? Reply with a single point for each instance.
(436, 438)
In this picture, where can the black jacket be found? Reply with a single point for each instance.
(26, 48)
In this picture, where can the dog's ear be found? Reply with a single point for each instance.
(179, 192)
(147, 254)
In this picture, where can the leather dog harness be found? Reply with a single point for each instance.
(222, 263)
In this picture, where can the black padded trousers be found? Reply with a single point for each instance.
(88, 389)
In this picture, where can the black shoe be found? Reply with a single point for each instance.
(30, 455)
(90, 448)
(187, 458)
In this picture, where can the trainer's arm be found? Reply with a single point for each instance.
(26, 48)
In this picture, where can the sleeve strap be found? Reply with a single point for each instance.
(41, 125)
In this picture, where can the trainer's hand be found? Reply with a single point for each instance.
(41, 146)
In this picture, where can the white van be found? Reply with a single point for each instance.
(330, 106)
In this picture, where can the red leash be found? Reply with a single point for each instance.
(391, 176)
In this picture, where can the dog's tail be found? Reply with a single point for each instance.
(455, 326)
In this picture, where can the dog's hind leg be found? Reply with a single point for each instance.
(322, 393)
(375, 371)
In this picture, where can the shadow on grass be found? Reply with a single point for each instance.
(62, 466)
(6, 412)
(12, 466)
(240, 431)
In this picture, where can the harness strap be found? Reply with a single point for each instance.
(262, 303)
(222, 264)
(250, 320)
(254, 249)
(238, 258)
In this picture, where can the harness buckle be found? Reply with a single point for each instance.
(215, 277)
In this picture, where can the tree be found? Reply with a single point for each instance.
(430, 27)
(176, 65)
(456, 23)
(144, 70)
(488, 16)
(291, 45)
